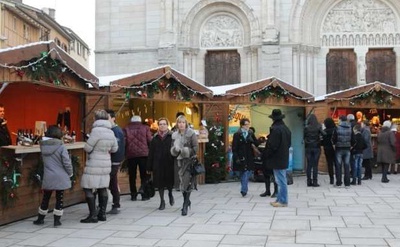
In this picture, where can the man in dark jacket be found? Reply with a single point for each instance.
(116, 160)
(5, 138)
(276, 155)
(342, 138)
(137, 137)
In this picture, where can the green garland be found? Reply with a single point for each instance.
(379, 98)
(175, 89)
(44, 68)
(215, 156)
(270, 91)
(36, 174)
(10, 173)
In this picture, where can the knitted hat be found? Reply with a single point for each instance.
(387, 123)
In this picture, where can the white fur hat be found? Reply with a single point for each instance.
(394, 127)
(387, 123)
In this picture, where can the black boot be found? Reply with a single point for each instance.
(315, 183)
(331, 180)
(57, 217)
(384, 173)
(92, 218)
(275, 190)
(40, 220)
(353, 182)
(103, 200)
(162, 205)
(267, 187)
(186, 203)
(309, 183)
(171, 198)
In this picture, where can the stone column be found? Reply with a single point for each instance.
(186, 66)
(303, 67)
(315, 52)
(254, 63)
(321, 72)
(193, 73)
(397, 51)
(246, 76)
(361, 64)
(296, 66)
(310, 68)
(271, 12)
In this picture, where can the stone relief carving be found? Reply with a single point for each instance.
(360, 16)
(221, 31)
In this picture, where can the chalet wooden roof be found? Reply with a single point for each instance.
(158, 73)
(15, 55)
(272, 81)
(351, 92)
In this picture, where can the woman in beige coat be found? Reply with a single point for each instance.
(96, 175)
(184, 147)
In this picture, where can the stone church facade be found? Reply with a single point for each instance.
(318, 46)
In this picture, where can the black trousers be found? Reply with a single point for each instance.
(133, 164)
(368, 168)
(47, 196)
(330, 160)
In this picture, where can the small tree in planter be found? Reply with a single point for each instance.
(215, 156)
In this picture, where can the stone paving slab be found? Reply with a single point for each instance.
(327, 216)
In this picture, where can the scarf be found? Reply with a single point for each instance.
(162, 134)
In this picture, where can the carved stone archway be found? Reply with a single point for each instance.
(198, 15)
(343, 24)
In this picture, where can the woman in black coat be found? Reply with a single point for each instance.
(161, 162)
(243, 154)
(329, 150)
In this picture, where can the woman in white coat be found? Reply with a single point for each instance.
(96, 175)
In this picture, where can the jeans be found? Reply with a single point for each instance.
(244, 181)
(114, 185)
(312, 155)
(280, 179)
(343, 158)
(358, 160)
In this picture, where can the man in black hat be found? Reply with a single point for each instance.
(276, 155)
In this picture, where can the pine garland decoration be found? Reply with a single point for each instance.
(215, 156)
(45, 68)
(10, 173)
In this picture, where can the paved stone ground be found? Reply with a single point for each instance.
(366, 215)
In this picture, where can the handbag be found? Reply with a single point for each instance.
(197, 167)
(147, 189)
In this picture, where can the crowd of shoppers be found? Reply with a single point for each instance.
(171, 153)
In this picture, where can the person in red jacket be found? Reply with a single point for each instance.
(137, 140)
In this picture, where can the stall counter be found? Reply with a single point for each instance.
(28, 194)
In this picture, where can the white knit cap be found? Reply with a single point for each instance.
(387, 123)
(350, 117)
